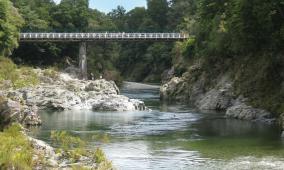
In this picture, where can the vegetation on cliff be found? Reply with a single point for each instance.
(240, 38)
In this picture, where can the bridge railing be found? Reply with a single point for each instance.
(100, 36)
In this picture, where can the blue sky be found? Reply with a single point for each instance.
(108, 5)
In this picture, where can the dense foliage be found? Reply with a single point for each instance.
(242, 38)
(10, 22)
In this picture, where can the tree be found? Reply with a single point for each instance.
(135, 18)
(71, 15)
(157, 10)
(118, 16)
(10, 23)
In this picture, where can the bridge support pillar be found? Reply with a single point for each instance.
(83, 60)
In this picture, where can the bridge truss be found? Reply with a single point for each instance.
(36, 37)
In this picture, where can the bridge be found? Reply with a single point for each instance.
(82, 38)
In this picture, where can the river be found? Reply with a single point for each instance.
(171, 136)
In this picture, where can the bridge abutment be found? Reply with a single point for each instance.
(83, 60)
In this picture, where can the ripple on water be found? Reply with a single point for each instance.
(140, 155)
(154, 123)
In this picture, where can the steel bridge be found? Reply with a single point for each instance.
(82, 38)
(34, 37)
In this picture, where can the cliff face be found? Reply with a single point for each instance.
(249, 88)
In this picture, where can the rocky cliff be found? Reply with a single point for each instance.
(220, 96)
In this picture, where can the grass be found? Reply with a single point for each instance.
(73, 147)
(15, 149)
(18, 77)
(51, 72)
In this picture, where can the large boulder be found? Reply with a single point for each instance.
(245, 112)
(14, 111)
(9, 111)
(216, 99)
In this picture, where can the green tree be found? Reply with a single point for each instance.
(157, 10)
(71, 15)
(10, 23)
(118, 15)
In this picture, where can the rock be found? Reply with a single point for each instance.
(6, 84)
(31, 116)
(14, 111)
(174, 89)
(103, 86)
(216, 99)
(245, 112)
(117, 103)
(43, 151)
(10, 111)
(67, 93)
(73, 71)
(167, 75)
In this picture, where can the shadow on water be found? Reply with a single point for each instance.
(171, 136)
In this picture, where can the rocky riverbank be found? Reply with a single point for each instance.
(60, 91)
(46, 157)
(220, 97)
(63, 91)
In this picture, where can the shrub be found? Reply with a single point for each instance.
(22, 77)
(27, 78)
(8, 70)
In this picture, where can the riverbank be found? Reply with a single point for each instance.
(215, 94)
(59, 91)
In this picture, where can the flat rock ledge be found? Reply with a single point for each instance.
(62, 91)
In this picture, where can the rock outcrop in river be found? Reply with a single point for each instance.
(219, 97)
(61, 91)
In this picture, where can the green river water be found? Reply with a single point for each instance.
(171, 136)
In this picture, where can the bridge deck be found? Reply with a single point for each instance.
(35, 37)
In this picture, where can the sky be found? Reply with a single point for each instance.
(107, 5)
